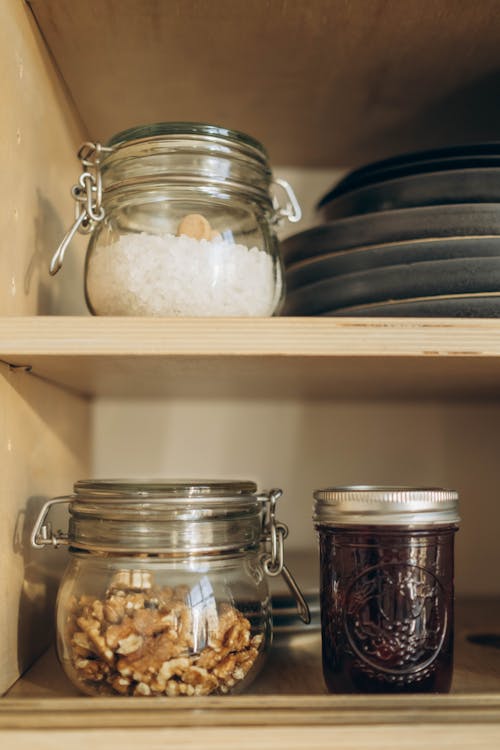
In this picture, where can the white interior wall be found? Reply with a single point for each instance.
(302, 446)
(39, 135)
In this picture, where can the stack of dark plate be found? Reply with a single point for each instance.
(415, 235)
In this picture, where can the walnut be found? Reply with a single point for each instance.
(149, 622)
(173, 666)
(114, 609)
(195, 675)
(179, 688)
(134, 602)
(92, 669)
(97, 610)
(131, 580)
(244, 662)
(209, 658)
(142, 689)
(130, 644)
(121, 684)
(81, 644)
(150, 659)
(237, 637)
(92, 629)
(257, 640)
(224, 669)
(138, 642)
(232, 630)
(116, 633)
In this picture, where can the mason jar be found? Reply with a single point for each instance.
(386, 561)
(165, 592)
(182, 220)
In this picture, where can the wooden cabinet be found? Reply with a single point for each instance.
(310, 401)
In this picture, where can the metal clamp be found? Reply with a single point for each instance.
(87, 195)
(273, 560)
(292, 210)
(42, 535)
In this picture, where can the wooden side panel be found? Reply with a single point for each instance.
(44, 447)
(39, 136)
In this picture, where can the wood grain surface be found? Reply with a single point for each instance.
(273, 357)
(322, 82)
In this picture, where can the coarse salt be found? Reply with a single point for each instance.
(145, 274)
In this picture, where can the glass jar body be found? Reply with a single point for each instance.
(187, 226)
(140, 261)
(163, 625)
(387, 608)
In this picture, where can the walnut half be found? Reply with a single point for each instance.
(140, 641)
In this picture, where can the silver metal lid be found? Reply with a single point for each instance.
(388, 506)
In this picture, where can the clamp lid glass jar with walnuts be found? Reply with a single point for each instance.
(182, 220)
(166, 589)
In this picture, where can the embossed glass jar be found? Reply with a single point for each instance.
(386, 587)
(182, 220)
(166, 589)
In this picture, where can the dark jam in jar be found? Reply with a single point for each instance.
(386, 604)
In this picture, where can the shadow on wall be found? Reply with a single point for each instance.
(39, 590)
(62, 294)
(469, 114)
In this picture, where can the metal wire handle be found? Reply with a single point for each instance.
(273, 561)
(87, 194)
(42, 535)
(292, 210)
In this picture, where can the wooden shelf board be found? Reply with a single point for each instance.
(289, 691)
(273, 357)
(318, 82)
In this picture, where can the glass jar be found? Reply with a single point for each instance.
(165, 592)
(386, 561)
(182, 222)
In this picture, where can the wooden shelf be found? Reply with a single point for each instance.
(319, 83)
(274, 357)
(288, 693)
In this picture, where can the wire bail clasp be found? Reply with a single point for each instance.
(42, 534)
(292, 210)
(87, 194)
(273, 560)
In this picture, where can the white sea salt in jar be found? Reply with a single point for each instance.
(182, 222)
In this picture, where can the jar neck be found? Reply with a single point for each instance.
(389, 532)
(129, 194)
(196, 161)
(175, 527)
(213, 558)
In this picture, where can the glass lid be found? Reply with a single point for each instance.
(160, 489)
(204, 130)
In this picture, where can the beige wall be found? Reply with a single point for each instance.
(43, 445)
(39, 134)
(301, 446)
(43, 430)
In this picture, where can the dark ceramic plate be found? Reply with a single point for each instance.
(418, 162)
(421, 279)
(459, 306)
(434, 189)
(464, 220)
(377, 256)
